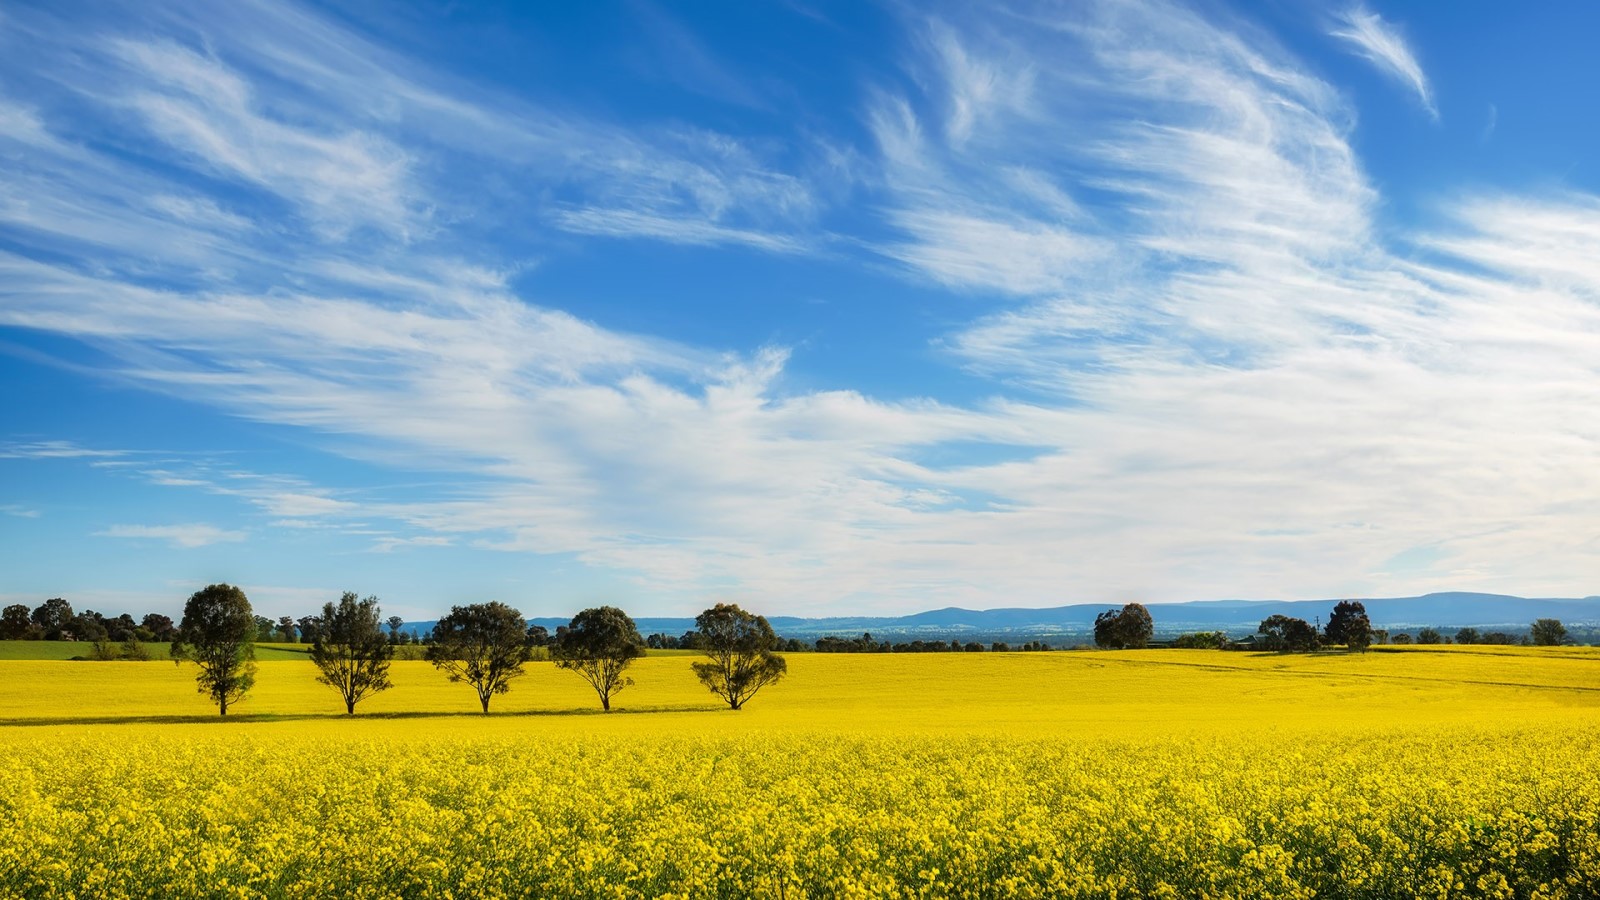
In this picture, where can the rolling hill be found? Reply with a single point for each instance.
(1446, 610)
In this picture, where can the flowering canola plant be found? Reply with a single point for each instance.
(1412, 776)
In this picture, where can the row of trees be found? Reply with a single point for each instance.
(55, 620)
(484, 645)
(1350, 627)
(1130, 627)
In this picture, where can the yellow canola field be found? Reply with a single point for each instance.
(1142, 774)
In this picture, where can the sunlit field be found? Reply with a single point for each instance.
(1425, 773)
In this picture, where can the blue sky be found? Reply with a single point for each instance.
(821, 308)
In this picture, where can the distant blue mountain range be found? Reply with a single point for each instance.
(1444, 610)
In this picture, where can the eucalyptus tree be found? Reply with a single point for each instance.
(740, 648)
(599, 645)
(482, 644)
(218, 634)
(350, 650)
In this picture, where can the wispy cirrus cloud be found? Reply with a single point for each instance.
(1381, 43)
(323, 138)
(1209, 372)
(55, 450)
(187, 536)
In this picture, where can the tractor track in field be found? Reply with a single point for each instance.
(1367, 675)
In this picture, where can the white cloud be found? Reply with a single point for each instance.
(18, 510)
(1212, 380)
(54, 450)
(201, 108)
(1382, 44)
(391, 544)
(633, 223)
(186, 537)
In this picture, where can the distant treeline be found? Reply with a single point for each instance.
(867, 644)
(1349, 627)
(1125, 628)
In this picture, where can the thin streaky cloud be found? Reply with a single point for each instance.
(1199, 366)
(54, 450)
(1382, 44)
(187, 537)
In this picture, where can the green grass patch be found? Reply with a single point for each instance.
(66, 649)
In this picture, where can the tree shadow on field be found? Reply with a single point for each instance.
(260, 718)
(1283, 671)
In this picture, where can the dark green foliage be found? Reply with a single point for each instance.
(218, 635)
(1203, 640)
(482, 645)
(350, 650)
(309, 626)
(86, 626)
(1281, 632)
(121, 628)
(134, 649)
(599, 645)
(1548, 632)
(864, 644)
(16, 623)
(53, 616)
(1429, 636)
(1349, 625)
(1129, 628)
(395, 624)
(1467, 636)
(1402, 638)
(538, 636)
(159, 626)
(740, 646)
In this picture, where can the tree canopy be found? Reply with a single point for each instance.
(1129, 628)
(16, 623)
(53, 616)
(218, 635)
(599, 645)
(1349, 625)
(482, 645)
(1548, 632)
(740, 648)
(350, 651)
(1280, 632)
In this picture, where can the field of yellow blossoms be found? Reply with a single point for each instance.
(1455, 772)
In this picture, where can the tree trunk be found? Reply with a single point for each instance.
(223, 706)
(349, 707)
(605, 703)
(485, 705)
